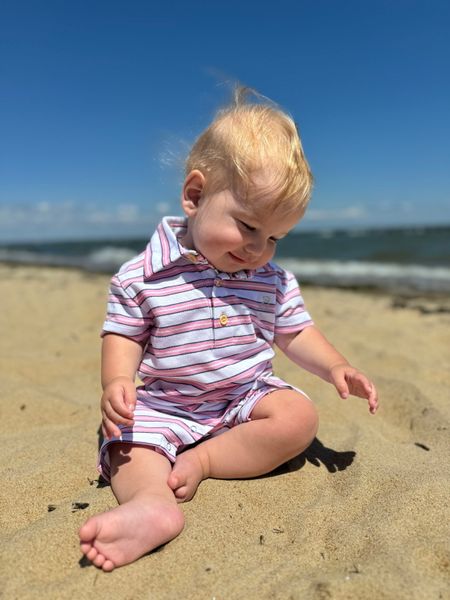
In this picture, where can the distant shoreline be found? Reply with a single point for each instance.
(424, 301)
(410, 261)
(302, 230)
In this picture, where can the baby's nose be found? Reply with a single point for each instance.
(255, 247)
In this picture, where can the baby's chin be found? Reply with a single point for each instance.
(239, 264)
(237, 268)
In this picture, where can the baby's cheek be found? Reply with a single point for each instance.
(269, 254)
(225, 236)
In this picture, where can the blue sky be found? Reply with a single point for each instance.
(100, 101)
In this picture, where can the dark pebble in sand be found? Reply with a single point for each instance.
(419, 445)
(79, 506)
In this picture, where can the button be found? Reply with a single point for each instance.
(192, 257)
(218, 282)
(223, 320)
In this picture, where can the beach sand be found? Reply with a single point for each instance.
(363, 514)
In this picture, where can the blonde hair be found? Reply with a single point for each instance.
(246, 138)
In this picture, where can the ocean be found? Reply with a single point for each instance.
(415, 259)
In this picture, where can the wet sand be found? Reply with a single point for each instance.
(363, 514)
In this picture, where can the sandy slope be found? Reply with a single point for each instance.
(362, 514)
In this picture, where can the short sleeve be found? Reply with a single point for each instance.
(126, 313)
(291, 314)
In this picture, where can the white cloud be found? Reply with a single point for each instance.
(354, 212)
(123, 214)
(53, 220)
(43, 207)
(163, 208)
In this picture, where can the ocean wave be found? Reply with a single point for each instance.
(28, 257)
(368, 274)
(103, 260)
(337, 273)
(109, 258)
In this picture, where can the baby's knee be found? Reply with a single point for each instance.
(311, 418)
(302, 423)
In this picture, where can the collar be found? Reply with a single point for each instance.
(164, 249)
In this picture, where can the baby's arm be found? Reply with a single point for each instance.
(120, 359)
(312, 351)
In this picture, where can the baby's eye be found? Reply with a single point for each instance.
(247, 226)
(274, 240)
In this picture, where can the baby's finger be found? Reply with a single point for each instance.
(109, 429)
(373, 400)
(118, 402)
(361, 386)
(115, 416)
(130, 398)
(341, 385)
(368, 386)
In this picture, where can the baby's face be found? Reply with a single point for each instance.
(234, 234)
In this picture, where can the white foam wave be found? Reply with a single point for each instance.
(366, 274)
(108, 258)
(28, 257)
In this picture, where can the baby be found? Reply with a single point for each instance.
(196, 316)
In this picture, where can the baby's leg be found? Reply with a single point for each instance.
(283, 424)
(147, 517)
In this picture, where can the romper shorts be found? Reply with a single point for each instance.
(174, 429)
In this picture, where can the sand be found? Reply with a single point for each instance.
(364, 513)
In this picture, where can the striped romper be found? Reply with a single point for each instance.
(207, 338)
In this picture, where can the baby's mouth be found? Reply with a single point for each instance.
(237, 258)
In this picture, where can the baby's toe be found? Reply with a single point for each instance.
(181, 493)
(85, 547)
(88, 531)
(108, 566)
(99, 560)
(92, 554)
(175, 481)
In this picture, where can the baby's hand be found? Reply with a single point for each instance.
(117, 405)
(349, 380)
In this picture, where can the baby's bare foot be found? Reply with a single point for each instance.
(187, 473)
(122, 535)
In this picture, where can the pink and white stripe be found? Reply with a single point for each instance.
(208, 335)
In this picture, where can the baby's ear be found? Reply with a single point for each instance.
(193, 187)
